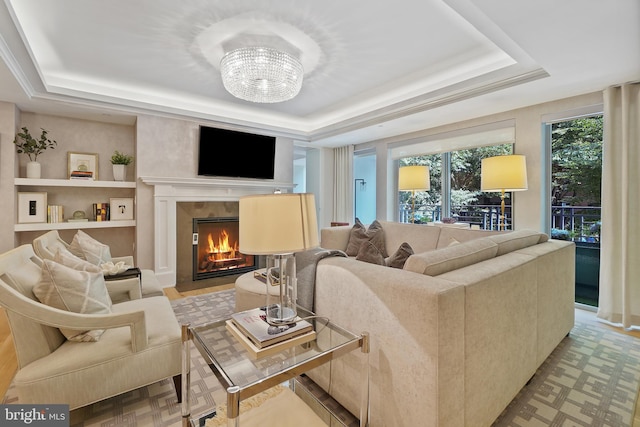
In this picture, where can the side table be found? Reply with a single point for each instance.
(244, 377)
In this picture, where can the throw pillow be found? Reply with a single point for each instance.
(357, 237)
(400, 256)
(86, 247)
(66, 258)
(359, 234)
(78, 291)
(370, 253)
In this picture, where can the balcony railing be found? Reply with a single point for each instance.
(577, 223)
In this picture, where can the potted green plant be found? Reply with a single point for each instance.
(120, 161)
(32, 147)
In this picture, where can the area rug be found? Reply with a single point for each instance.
(590, 379)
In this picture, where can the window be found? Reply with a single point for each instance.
(576, 174)
(454, 163)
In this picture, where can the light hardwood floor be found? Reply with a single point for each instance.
(8, 362)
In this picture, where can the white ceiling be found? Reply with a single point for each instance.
(373, 68)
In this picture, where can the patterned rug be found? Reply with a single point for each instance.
(591, 379)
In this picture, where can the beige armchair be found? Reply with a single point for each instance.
(141, 343)
(46, 246)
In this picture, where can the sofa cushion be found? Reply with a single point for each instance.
(450, 235)
(434, 263)
(72, 290)
(512, 241)
(86, 247)
(370, 253)
(360, 234)
(399, 257)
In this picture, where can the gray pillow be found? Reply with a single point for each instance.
(370, 253)
(400, 256)
(359, 234)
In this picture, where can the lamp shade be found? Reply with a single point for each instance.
(414, 178)
(277, 223)
(504, 173)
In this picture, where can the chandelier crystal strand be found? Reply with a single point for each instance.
(260, 74)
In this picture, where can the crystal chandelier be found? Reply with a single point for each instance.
(261, 74)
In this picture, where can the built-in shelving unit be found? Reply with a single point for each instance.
(23, 184)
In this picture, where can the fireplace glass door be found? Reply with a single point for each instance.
(215, 249)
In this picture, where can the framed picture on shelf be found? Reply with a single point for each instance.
(32, 207)
(121, 208)
(82, 165)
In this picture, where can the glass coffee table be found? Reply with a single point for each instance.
(244, 376)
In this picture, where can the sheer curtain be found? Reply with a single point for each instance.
(620, 237)
(342, 183)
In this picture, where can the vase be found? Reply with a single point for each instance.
(119, 172)
(33, 170)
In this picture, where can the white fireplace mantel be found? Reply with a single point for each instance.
(169, 191)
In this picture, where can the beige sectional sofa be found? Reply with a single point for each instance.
(457, 332)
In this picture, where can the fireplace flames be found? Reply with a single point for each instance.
(223, 250)
(221, 254)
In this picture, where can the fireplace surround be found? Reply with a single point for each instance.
(169, 192)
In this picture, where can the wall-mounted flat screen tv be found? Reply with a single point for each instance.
(228, 153)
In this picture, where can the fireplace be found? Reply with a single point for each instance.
(215, 249)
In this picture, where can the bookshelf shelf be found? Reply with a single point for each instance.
(73, 183)
(46, 226)
(66, 186)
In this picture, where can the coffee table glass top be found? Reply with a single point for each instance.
(235, 367)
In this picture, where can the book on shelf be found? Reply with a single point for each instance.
(55, 213)
(256, 352)
(101, 212)
(253, 324)
(81, 175)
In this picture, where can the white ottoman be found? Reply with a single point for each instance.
(251, 292)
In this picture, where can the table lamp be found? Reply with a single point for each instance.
(503, 173)
(413, 178)
(277, 225)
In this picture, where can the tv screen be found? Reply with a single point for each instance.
(228, 153)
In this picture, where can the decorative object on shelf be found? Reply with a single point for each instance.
(414, 178)
(503, 173)
(278, 225)
(32, 147)
(78, 216)
(121, 208)
(120, 161)
(82, 165)
(261, 74)
(32, 207)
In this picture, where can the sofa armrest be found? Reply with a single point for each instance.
(335, 237)
(416, 332)
(46, 315)
(129, 286)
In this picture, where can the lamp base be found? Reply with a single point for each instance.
(281, 305)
